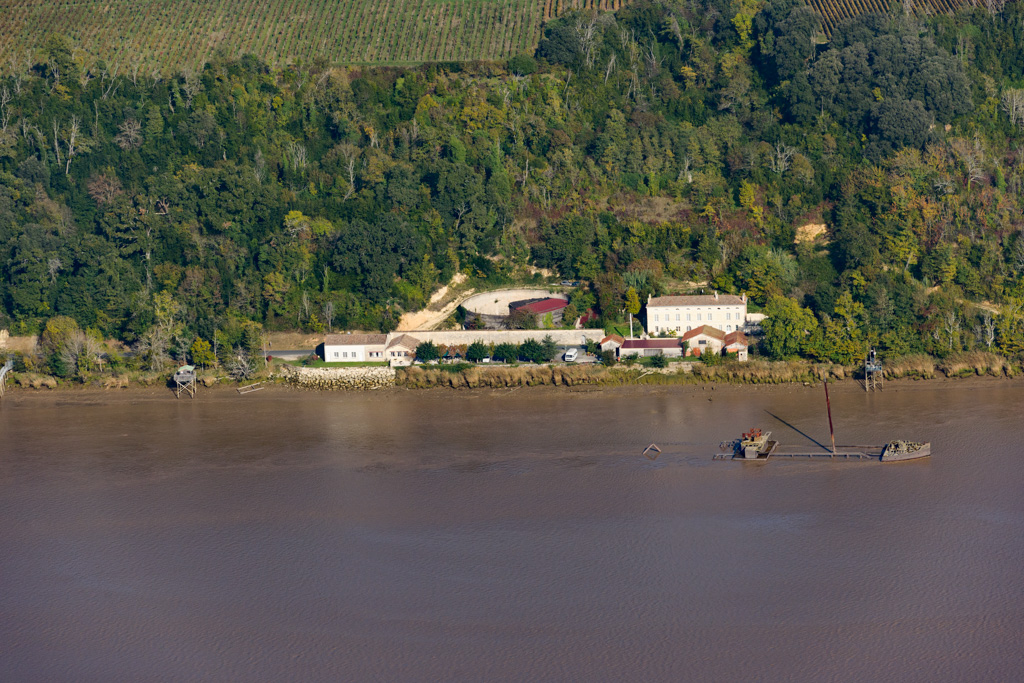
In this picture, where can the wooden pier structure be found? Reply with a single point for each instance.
(7, 367)
(778, 451)
(249, 388)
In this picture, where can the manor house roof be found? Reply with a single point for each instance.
(697, 300)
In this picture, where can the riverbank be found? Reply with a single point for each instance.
(556, 376)
(284, 393)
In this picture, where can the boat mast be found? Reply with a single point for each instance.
(828, 406)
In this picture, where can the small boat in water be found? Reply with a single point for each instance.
(905, 450)
(755, 445)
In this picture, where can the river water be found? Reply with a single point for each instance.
(514, 536)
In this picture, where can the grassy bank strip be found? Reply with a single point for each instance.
(754, 372)
(468, 376)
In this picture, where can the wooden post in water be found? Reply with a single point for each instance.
(828, 406)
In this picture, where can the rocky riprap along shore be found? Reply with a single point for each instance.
(339, 378)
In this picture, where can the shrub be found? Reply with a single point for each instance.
(476, 352)
(427, 351)
(505, 352)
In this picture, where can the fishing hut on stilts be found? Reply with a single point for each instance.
(185, 381)
(7, 367)
(872, 372)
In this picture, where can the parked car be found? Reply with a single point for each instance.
(571, 355)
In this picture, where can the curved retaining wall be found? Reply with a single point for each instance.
(457, 337)
(339, 378)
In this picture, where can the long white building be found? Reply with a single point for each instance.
(679, 314)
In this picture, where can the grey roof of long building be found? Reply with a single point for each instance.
(354, 339)
(697, 300)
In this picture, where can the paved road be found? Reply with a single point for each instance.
(289, 354)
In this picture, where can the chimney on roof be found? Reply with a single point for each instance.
(744, 297)
(716, 295)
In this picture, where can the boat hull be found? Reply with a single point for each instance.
(890, 455)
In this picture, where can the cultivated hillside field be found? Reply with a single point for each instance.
(835, 11)
(167, 35)
(170, 34)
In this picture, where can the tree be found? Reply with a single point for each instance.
(505, 352)
(80, 353)
(240, 366)
(1013, 105)
(427, 351)
(519, 319)
(476, 352)
(787, 327)
(58, 331)
(202, 353)
(632, 307)
(536, 352)
(129, 135)
(549, 348)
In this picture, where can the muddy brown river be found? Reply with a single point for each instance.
(509, 536)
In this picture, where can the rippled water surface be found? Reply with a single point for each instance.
(509, 536)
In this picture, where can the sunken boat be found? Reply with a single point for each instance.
(905, 450)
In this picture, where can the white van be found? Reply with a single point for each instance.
(571, 355)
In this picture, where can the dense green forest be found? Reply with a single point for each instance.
(671, 142)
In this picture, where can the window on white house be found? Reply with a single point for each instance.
(335, 354)
(687, 318)
(677, 317)
(655, 317)
(702, 342)
(698, 317)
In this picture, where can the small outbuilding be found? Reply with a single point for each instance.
(651, 347)
(612, 342)
(736, 342)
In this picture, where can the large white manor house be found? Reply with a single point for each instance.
(680, 314)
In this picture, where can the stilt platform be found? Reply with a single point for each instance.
(185, 381)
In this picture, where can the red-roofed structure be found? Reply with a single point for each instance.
(542, 306)
(704, 339)
(736, 342)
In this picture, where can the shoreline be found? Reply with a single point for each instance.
(20, 397)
